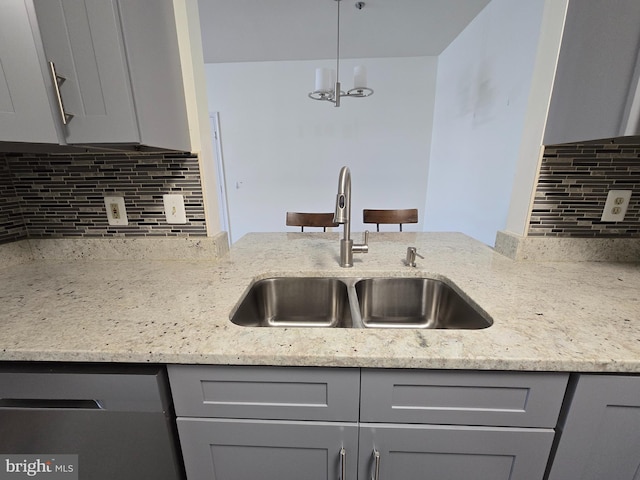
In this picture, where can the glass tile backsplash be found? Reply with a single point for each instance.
(52, 195)
(572, 189)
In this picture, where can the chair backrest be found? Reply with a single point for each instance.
(297, 219)
(406, 215)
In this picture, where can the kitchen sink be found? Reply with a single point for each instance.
(415, 303)
(385, 302)
(295, 302)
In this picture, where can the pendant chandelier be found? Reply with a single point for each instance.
(328, 80)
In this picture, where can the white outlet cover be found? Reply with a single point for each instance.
(111, 203)
(616, 205)
(174, 208)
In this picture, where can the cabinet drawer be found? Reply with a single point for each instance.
(518, 399)
(279, 393)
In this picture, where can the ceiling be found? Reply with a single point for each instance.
(276, 30)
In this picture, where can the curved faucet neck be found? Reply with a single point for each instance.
(343, 202)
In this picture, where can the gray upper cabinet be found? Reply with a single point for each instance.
(601, 435)
(596, 91)
(117, 71)
(25, 113)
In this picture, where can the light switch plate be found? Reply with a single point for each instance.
(116, 211)
(174, 208)
(616, 206)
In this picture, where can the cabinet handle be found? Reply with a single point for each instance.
(343, 464)
(57, 81)
(376, 468)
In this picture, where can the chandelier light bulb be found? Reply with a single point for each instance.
(359, 77)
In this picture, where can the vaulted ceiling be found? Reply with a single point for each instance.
(273, 30)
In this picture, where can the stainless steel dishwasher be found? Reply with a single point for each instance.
(117, 422)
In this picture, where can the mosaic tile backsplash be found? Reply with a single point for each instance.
(11, 223)
(53, 195)
(572, 189)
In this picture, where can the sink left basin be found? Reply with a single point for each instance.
(295, 302)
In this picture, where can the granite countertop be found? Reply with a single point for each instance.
(548, 316)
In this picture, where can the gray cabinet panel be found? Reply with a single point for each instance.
(601, 435)
(121, 64)
(83, 39)
(155, 70)
(462, 398)
(220, 449)
(597, 75)
(25, 112)
(266, 392)
(415, 452)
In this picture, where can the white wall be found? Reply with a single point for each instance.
(483, 85)
(283, 151)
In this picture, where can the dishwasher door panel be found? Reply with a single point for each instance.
(121, 430)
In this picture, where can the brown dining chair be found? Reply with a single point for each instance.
(297, 219)
(407, 215)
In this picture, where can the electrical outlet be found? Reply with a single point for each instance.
(174, 208)
(616, 205)
(116, 211)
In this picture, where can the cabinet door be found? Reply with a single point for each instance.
(416, 452)
(84, 41)
(601, 435)
(597, 73)
(226, 449)
(25, 112)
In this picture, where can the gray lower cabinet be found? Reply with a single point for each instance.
(484, 398)
(271, 423)
(601, 435)
(457, 425)
(279, 423)
(236, 449)
(451, 452)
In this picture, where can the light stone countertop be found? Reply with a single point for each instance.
(548, 316)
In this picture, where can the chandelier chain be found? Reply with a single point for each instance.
(338, 46)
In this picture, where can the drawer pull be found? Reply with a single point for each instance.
(57, 81)
(343, 464)
(376, 468)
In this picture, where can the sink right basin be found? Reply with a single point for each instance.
(415, 303)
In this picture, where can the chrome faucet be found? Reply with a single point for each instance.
(343, 215)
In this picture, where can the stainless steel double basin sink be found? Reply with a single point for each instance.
(377, 302)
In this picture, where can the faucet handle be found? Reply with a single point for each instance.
(362, 247)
